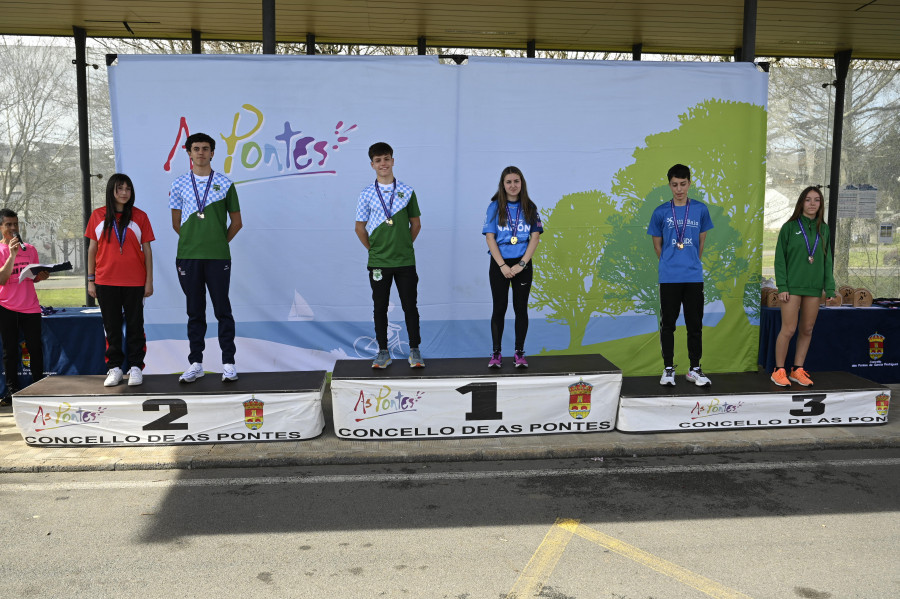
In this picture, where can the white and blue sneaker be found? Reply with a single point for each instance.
(192, 374)
(695, 375)
(668, 376)
(229, 373)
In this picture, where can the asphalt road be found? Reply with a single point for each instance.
(810, 525)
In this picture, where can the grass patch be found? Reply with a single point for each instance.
(72, 297)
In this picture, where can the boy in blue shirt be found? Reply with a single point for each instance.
(679, 228)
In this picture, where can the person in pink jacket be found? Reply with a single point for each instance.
(19, 307)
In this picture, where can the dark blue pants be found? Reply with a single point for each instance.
(196, 277)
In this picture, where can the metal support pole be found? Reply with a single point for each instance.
(196, 42)
(420, 43)
(310, 43)
(268, 26)
(636, 50)
(841, 68)
(531, 50)
(748, 54)
(737, 54)
(84, 144)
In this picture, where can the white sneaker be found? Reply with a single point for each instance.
(668, 376)
(695, 375)
(113, 377)
(135, 376)
(229, 373)
(192, 374)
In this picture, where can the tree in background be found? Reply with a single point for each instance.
(722, 143)
(37, 127)
(801, 104)
(596, 257)
(632, 266)
(567, 285)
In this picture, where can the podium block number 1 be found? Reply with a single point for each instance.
(484, 401)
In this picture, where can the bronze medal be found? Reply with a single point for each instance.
(810, 251)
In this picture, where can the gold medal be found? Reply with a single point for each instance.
(514, 240)
(680, 246)
(201, 216)
(390, 222)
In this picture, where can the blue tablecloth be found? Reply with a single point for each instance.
(74, 343)
(844, 339)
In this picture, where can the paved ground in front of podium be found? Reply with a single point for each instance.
(16, 456)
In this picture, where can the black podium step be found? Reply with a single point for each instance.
(167, 384)
(476, 367)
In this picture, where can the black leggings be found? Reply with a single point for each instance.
(521, 286)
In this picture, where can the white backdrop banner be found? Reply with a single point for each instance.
(293, 132)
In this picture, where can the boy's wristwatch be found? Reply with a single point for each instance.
(522, 263)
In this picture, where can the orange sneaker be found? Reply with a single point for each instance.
(780, 378)
(801, 377)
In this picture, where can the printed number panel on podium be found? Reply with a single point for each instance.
(454, 398)
(79, 411)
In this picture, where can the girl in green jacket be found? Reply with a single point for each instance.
(803, 269)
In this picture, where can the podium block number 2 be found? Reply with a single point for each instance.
(484, 401)
(177, 409)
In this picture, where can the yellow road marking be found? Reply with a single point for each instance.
(682, 575)
(541, 565)
(544, 560)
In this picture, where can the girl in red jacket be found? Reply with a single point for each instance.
(120, 276)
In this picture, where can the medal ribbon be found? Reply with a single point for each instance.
(679, 236)
(120, 236)
(387, 208)
(515, 227)
(811, 252)
(201, 204)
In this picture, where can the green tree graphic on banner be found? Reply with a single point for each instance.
(600, 259)
(566, 283)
